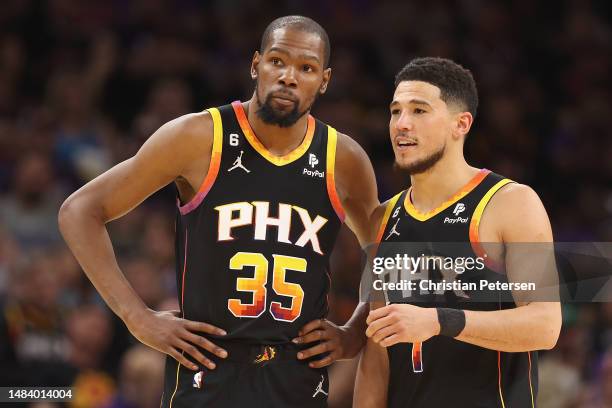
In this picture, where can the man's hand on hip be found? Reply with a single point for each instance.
(338, 341)
(172, 335)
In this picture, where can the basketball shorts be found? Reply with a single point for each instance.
(253, 376)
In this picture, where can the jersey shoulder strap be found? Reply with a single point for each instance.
(330, 179)
(390, 205)
(213, 167)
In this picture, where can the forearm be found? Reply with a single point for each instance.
(534, 326)
(372, 378)
(87, 237)
(356, 326)
(357, 322)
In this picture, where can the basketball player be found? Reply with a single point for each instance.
(461, 353)
(263, 190)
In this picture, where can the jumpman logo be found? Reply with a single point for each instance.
(238, 163)
(320, 388)
(393, 230)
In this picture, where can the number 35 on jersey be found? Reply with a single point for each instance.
(240, 215)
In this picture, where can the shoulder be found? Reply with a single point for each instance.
(188, 135)
(355, 178)
(348, 150)
(352, 167)
(355, 184)
(181, 148)
(379, 213)
(516, 197)
(519, 214)
(197, 126)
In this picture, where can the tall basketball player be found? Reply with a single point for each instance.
(462, 353)
(263, 190)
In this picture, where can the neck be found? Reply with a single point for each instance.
(277, 140)
(433, 187)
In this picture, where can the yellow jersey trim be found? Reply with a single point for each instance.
(213, 167)
(476, 217)
(178, 367)
(261, 149)
(385, 219)
(462, 192)
(332, 142)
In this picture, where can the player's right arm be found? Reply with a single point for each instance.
(179, 151)
(372, 380)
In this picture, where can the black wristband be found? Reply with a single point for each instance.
(452, 321)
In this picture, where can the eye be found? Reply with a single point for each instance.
(275, 61)
(395, 111)
(307, 68)
(419, 111)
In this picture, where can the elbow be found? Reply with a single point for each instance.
(65, 214)
(553, 330)
(78, 210)
(549, 342)
(72, 208)
(552, 338)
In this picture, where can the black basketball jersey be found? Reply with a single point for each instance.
(253, 245)
(442, 371)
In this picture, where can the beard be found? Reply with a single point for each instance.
(421, 166)
(271, 116)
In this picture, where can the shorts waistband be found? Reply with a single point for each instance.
(259, 353)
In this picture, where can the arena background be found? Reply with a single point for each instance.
(84, 83)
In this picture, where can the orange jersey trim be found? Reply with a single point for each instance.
(417, 357)
(261, 149)
(213, 167)
(385, 219)
(332, 142)
(475, 224)
(462, 192)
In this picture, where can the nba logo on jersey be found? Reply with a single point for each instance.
(197, 379)
(459, 208)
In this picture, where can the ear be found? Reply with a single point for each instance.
(326, 78)
(463, 124)
(254, 64)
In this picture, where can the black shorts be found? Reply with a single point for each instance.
(251, 376)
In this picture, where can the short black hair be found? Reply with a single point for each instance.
(299, 23)
(456, 83)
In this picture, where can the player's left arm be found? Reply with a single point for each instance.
(516, 215)
(356, 187)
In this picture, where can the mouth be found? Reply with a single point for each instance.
(283, 97)
(283, 102)
(404, 143)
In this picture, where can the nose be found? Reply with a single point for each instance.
(288, 78)
(404, 122)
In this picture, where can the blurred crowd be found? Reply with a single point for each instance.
(83, 84)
